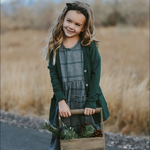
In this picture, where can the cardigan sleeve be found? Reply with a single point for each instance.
(95, 76)
(55, 80)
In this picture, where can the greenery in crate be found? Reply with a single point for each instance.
(68, 133)
(87, 131)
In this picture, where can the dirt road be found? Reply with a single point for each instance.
(19, 138)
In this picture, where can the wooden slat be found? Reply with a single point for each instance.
(102, 125)
(81, 111)
(96, 143)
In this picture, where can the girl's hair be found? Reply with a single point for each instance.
(55, 38)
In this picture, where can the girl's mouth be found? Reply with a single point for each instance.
(69, 31)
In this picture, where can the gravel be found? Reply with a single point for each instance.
(111, 139)
(126, 142)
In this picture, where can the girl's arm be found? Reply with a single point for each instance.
(95, 77)
(64, 109)
(56, 83)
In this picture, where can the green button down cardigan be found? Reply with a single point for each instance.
(92, 71)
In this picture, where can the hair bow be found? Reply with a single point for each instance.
(71, 6)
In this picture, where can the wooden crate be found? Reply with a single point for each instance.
(95, 143)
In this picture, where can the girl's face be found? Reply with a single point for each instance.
(73, 24)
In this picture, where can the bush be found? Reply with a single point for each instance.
(135, 12)
(43, 14)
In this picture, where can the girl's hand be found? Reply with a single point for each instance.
(64, 109)
(89, 111)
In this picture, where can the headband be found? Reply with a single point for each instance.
(71, 6)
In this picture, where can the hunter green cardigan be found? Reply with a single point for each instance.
(92, 71)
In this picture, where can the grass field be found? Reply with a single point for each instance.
(26, 86)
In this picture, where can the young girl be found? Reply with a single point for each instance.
(75, 66)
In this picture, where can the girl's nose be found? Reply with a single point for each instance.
(71, 26)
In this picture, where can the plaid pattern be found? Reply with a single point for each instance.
(71, 62)
(72, 69)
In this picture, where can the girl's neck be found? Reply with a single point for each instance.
(70, 42)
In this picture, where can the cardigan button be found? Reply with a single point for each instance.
(86, 84)
(85, 70)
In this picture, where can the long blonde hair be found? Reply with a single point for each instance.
(55, 38)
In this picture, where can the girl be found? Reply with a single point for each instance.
(75, 64)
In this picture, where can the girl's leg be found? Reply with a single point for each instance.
(55, 143)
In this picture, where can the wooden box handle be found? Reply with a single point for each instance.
(81, 111)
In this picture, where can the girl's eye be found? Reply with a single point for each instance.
(77, 24)
(68, 20)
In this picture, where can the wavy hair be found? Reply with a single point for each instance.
(55, 39)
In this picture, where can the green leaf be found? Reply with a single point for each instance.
(51, 128)
(88, 131)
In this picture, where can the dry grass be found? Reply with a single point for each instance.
(26, 87)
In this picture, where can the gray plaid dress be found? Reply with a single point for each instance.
(72, 69)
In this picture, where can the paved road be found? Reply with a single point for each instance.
(18, 138)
